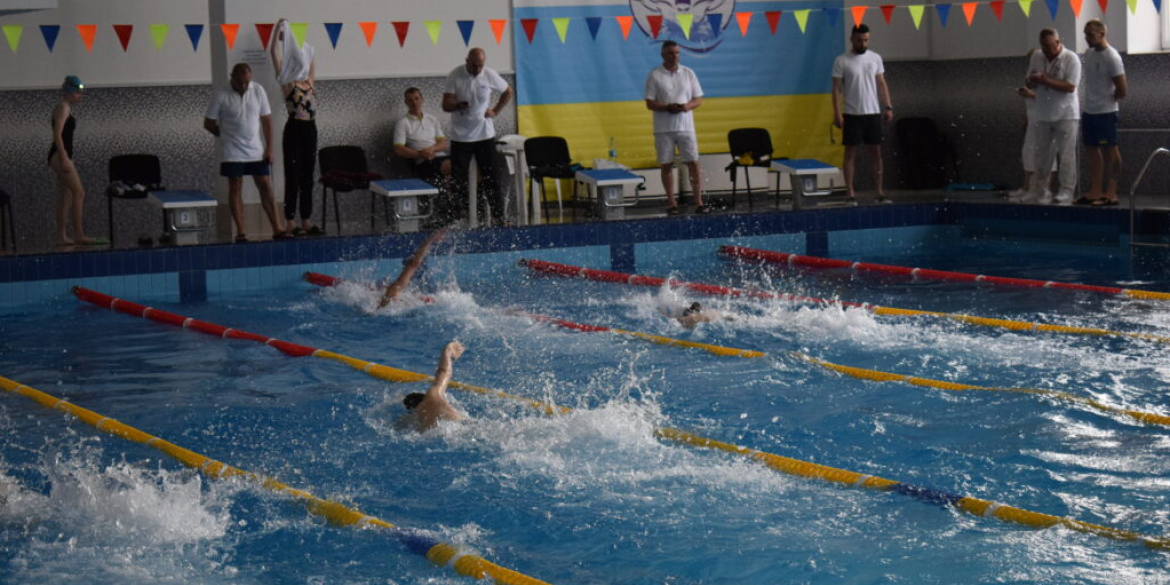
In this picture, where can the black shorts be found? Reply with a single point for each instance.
(236, 170)
(862, 130)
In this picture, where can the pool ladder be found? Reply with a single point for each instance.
(1133, 206)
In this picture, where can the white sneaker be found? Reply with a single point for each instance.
(1017, 195)
(883, 200)
(1046, 198)
(1064, 198)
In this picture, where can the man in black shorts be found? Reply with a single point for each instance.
(858, 80)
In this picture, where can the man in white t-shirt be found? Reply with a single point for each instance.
(419, 138)
(468, 98)
(859, 77)
(672, 92)
(1104, 86)
(236, 116)
(1054, 74)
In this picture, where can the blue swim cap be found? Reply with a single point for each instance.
(72, 83)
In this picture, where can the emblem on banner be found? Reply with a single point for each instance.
(706, 19)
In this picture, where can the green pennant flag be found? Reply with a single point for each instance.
(12, 32)
(562, 24)
(685, 20)
(801, 18)
(1026, 6)
(433, 28)
(916, 11)
(1132, 6)
(159, 33)
(298, 31)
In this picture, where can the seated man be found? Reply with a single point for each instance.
(424, 411)
(409, 268)
(418, 137)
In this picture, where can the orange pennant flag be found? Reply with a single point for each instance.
(498, 29)
(625, 22)
(997, 8)
(265, 33)
(743, 18)
(969, 11)
(888, 12)
(229, 34)
(87, 32)
(124, 31)
(370, 29)
(1076, 6)
(859, 14)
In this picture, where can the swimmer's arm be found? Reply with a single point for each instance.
(446, 368)
(412, 265)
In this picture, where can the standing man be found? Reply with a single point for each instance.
(468, 97)
(1104, 87)
(1054, 74)
(859, 75)
(236, 116)
(672, 91)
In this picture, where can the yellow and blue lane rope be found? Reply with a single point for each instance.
(796, 467)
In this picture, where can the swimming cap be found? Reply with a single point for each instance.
(72, 83)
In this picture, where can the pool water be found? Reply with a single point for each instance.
(594, 496)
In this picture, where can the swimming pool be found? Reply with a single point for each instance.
(594, 496)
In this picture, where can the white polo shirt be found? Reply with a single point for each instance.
(673, 87)
(239, 122)
(1053, 105)
(470, 125)
(858, 75)
(1100, 69)
(417, 133)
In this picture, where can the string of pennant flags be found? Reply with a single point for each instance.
(160, 32)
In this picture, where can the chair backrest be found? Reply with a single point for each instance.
(342, 159)
(545, 151)
(754, 140)
(143, 169)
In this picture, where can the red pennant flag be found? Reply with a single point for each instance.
(401, 27)
(265, 32)
(229, 34)
(859, 14)
(529, 25)
(773, 19)
(997, 8)
(498, 29)
(888, 12)
(87, 32)
(124, 31)
(969, 11)
(655, 24)
(1104, 4)
(369, 29)
(1076, 6)
(625, 22)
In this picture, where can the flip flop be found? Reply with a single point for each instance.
(1087, 201)
(94, 242)
(702, 210)
(283, 236)
(241, 238)
(1103, 202)
(673, 210)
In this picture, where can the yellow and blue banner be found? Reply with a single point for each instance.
(579, 76)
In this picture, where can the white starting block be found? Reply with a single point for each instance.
(803, 174)
(405, 195)
(608, 188)
(185, 214)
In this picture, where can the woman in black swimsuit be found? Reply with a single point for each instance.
(71, 194)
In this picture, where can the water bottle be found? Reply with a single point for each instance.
(612, 148)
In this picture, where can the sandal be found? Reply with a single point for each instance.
(702, 210)
(674, 210)
(282, 235)
(1103, 202)
(297, 232)
(315, 231)
(241, 238)
(1083, 200)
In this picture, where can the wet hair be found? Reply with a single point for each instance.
(694, 308)
(860, 29)
(412, 400)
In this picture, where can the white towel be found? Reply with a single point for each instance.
(295, 61)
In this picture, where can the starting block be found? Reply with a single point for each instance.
(185, 214)
(803, 174)
(608, 187)
(405, 196)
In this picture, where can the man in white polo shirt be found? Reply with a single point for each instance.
(468, 97)
(859, 75)
(1104, 86)
(672, 92)
(1054, 74)
(236, 116)
(419, 138)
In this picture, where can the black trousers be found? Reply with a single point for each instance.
(484, 153)
(300, 157)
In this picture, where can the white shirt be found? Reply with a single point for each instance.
(1100, 69)
(673, 87)
(470, 125)
(239, 122)
(1053, 105)
(858, 75)
(417, 133)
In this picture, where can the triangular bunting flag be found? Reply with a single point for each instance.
(801, 18)
(264, 31)
(401, 27)
(625, 22)
(298, 30)
(1104, 5)
(529, 25)
(12, 32)
(859, 14)
(1076, 6)
(594, 24)
(562, 25)
(498, 26)
(997, 8)
(888, 12)
(969, 11)
(159, 33)
(716, 21)
(369, 29)
(333, 29)
(1157, 6)
(194, 32)
(229, 34)
(87, 32)
(743, 18)
(434, 27)
(124, 31)
(1054, 7)
(655, 21)
(1132, 6)
(50, 32)
(685, 21)
(944, 10)
(465, 27)
(916, 11)
(832, 14)
(1026, 7)
(773, 20)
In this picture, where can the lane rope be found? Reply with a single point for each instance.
(787, 465)
(772, 257)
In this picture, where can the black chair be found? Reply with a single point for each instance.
(344, 169)
(928, 159)
(750, 147)
(132, 176)
(7, 227)
(548, 158)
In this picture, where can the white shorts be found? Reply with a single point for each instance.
(686, 142)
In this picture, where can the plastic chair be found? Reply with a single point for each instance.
(750, 147)
(132, 176)
(344, 169)
(7, 228)
(548, 158)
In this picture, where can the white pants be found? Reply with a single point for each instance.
(1056, 140)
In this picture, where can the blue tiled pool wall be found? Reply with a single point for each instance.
(198, 273)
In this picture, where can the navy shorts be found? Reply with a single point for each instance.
(1099, 129)
(862, 130)
(235, 170)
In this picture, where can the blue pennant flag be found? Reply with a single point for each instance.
(594, 24)
(716, 21)
(194, 32)
(50, 32)
(1054, 5)
(832, 14)
(465, 27)
(334, 30)
(1158, 6)
(944, 10)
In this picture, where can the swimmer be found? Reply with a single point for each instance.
(409, 268)
(695, 314)
(428, 409)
